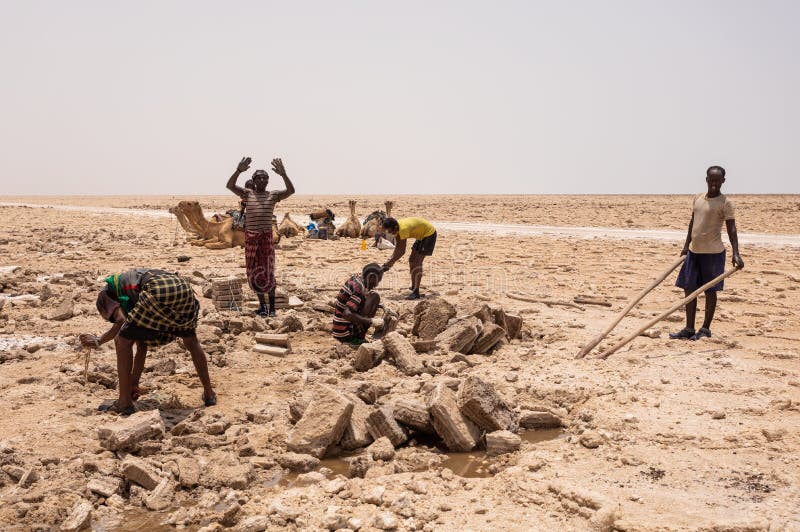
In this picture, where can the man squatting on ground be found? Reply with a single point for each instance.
(356, 306)
(259, 248)
(705, 252)
(424, 235)
(149, 308)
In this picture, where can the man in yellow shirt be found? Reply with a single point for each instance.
(705, 252)
(424, 235)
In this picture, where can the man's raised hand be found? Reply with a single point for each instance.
(277, 167)
(244, 164)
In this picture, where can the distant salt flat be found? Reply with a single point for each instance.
(611, 233)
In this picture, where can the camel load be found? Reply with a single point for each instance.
(217, 233)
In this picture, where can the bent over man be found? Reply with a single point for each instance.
(148, 308)
(424, 235)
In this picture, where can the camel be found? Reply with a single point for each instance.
(217, 233)
(290, 228)
(372, 223)
(351, 228)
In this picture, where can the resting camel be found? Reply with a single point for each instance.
(289, 227)
(217, 233)
(351, 227)
(372, 223)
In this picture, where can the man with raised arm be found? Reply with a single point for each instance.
(259, 248)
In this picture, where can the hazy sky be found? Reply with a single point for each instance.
(400, 97)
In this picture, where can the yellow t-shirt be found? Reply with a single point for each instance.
(709, 215)
(416, 228)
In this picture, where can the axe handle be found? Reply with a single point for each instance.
(599, 338)
(687, 299)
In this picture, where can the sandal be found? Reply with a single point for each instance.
(114, 408)
(209, 401)
(684, 334)
(702, 332)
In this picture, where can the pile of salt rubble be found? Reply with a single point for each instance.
(464, 414)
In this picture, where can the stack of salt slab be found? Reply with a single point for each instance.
(226, 293)
(277, 345)
(282, 301)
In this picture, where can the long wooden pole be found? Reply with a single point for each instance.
(599, 338)
(687, 299)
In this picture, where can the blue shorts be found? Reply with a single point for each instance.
(700, 268)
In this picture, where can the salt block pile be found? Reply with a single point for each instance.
(277, 345)
(282, 301)
(470, 415)
(226, 293)
(464, 414)
(437, 328)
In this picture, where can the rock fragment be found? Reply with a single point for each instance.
(381, 449)
(300, 463)
(490, 336)
(322, 425)
(105, 486)
(502, 442)
(126, 434)
(161, 496)
(461, 335)
(431, 317)
(458, 432)
(368, 355)
(404, 355)
(79, 518)
(138, 471)
(539, 419)
(381, 423)
(188, 472)
(479, 402)
(357, 435)
(63, 312)
(413, 414)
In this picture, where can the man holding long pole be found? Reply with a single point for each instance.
(705, 252)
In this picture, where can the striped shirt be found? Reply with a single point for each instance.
(260, 206)
(351, 296)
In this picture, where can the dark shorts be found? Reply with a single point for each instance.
(152, 337)
(700, 268)
(426, 245)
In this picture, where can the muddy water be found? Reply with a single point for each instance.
(478, 463)
(471, 465)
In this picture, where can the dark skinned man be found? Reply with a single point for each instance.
(424, 235)
(148, 308)
(259, 248)
(705, 251)
(356, 306)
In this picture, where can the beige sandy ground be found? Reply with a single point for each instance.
(693, 435)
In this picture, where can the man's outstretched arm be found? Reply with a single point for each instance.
(399, 251)
(277, 167)
(733, 236)
(243, 165)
